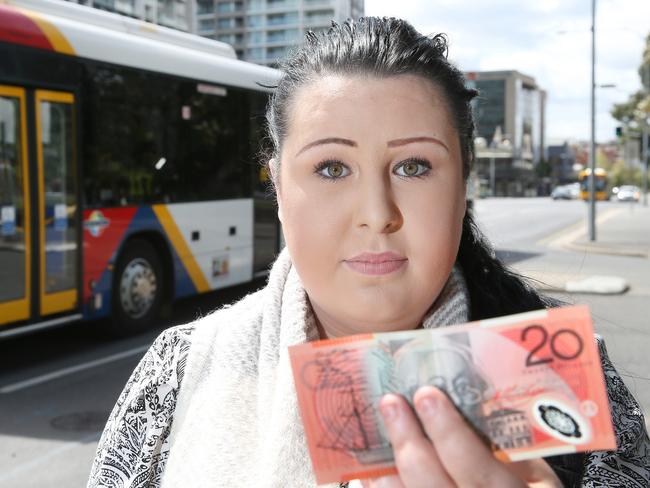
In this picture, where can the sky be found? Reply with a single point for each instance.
(549, 40)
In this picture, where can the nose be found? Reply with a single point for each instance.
(377, 209)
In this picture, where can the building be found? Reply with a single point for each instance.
(508, 429)
(177, 14)
(510, 117)
(564, 167)
(262, 31)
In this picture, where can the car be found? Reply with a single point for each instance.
(562, 192)
(628, 193)
(574, 189)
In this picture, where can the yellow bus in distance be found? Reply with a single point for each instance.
(601, 188)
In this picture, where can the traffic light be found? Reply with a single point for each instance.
(619, 131)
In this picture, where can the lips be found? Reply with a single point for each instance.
(376, 263)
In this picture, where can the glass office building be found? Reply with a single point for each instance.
(510, 116)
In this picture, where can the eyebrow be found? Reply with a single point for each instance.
(328, 140)
(393, 143)
(410, 140)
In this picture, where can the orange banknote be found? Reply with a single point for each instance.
(531, 384)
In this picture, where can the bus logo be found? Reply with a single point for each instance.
(96, 223)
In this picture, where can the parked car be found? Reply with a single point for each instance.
(562, 192)
(628, 193)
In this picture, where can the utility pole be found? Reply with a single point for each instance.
(644, 161)
(646, 121)
(592, 152)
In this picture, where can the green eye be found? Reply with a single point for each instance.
(335, 170)
(412, 167)
(332, 170)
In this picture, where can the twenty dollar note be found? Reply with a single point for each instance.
(530, 384)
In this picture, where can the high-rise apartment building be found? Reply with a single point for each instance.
(177, 14)
(262, 31)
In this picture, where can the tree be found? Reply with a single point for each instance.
(638, 102)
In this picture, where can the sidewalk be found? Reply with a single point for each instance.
(621, 230)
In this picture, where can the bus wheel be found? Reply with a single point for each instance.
(137, 288)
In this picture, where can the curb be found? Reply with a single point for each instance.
(569, 239)
(612, 251)
(571, 283)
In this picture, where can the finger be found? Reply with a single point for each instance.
(392, 481)
(464, 456)
(536, 473)
(415, 457)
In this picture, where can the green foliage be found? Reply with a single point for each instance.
(621, 174)
(639, 101)
(602, 161)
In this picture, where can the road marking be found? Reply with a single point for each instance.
(37, 462)
(21, 385)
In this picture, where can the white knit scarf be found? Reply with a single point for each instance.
(237, 423)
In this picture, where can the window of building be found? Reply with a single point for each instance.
(256, 5)
(282, 3)
(224, 23)
(286, 35)
(256, 37)
(282, 19)
(489, 111)
(255, 53)
(206, 24)
(204, 7)
(277, 52)
(224, 7)
(255, 20)
(226, 38)
(318, 16)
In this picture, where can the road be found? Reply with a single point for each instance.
(58, 387)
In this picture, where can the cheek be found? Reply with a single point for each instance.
(433, 224)
(312, 225)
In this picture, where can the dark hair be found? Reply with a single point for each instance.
(385, 47)
(381, 47)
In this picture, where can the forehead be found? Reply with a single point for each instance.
(401, 102)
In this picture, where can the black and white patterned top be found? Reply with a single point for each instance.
(134, 447)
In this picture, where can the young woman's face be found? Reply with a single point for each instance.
(371, 198)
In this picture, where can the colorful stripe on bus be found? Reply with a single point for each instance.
(31, 29)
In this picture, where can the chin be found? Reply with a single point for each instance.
(383, 321)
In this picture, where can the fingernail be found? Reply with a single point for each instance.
(389, 411)
(427, 406)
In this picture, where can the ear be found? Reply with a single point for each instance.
(276, 187)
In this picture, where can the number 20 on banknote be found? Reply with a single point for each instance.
(530, 384)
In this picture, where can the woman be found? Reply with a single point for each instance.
(372, 133)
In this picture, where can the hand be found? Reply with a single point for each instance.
(447, 453)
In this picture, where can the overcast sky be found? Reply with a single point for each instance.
(547, 39)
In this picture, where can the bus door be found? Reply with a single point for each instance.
(58, 207)
(39, 226)
(15, 235)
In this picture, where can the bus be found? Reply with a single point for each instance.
(128, 168)
(601, 184)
